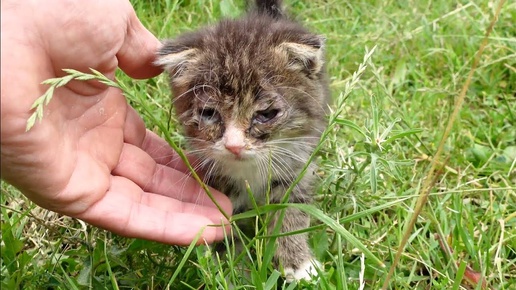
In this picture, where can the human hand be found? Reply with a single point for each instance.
(91, 156)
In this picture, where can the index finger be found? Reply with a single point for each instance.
(162, 153)
(135, 133)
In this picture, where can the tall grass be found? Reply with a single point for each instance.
(391, 106)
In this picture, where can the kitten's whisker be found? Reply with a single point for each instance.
(283, 161)
(263, 168)
(286, 175)
(196, 166)
(287, 143)
(295, 138)
(299, 154)
(209, 172)
(274, 158)
(312, 142)
(318, 130)
(287, 152)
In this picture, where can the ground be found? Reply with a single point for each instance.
(384, 132)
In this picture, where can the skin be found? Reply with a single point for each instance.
(91, 157)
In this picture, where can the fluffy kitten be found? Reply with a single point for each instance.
(251, 95)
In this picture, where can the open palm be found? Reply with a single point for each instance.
(91, 156)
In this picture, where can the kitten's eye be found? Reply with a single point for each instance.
(209, 115)
(266, 115)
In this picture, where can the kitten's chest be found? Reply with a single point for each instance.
(242, 184)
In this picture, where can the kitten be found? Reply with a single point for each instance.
(251, 95)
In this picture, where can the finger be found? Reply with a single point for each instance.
(162, 153)
(137, 54)
(139, 167)
(135, 133)
(131, 212)
(134, 127)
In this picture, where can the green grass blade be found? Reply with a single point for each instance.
(183, 261)
(339, 229)
(112, 277)
(459, 276)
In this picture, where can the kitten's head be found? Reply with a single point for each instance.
(247, 88)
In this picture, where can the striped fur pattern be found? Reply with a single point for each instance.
(251, 95)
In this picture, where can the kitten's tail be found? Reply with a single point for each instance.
(270, 7)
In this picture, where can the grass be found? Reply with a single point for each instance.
(373, 163)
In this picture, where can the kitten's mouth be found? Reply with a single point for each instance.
(230, 157)
(239, 157)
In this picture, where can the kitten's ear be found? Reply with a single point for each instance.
(305, 54)
(176, 58)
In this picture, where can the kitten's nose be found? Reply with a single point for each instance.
(234, 148)
(234, 139)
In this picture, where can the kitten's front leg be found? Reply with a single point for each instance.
(293, 252)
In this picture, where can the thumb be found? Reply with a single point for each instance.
(137, 54)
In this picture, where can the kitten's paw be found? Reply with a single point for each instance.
(306, 271)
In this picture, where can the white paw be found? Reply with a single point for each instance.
(305, 272)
